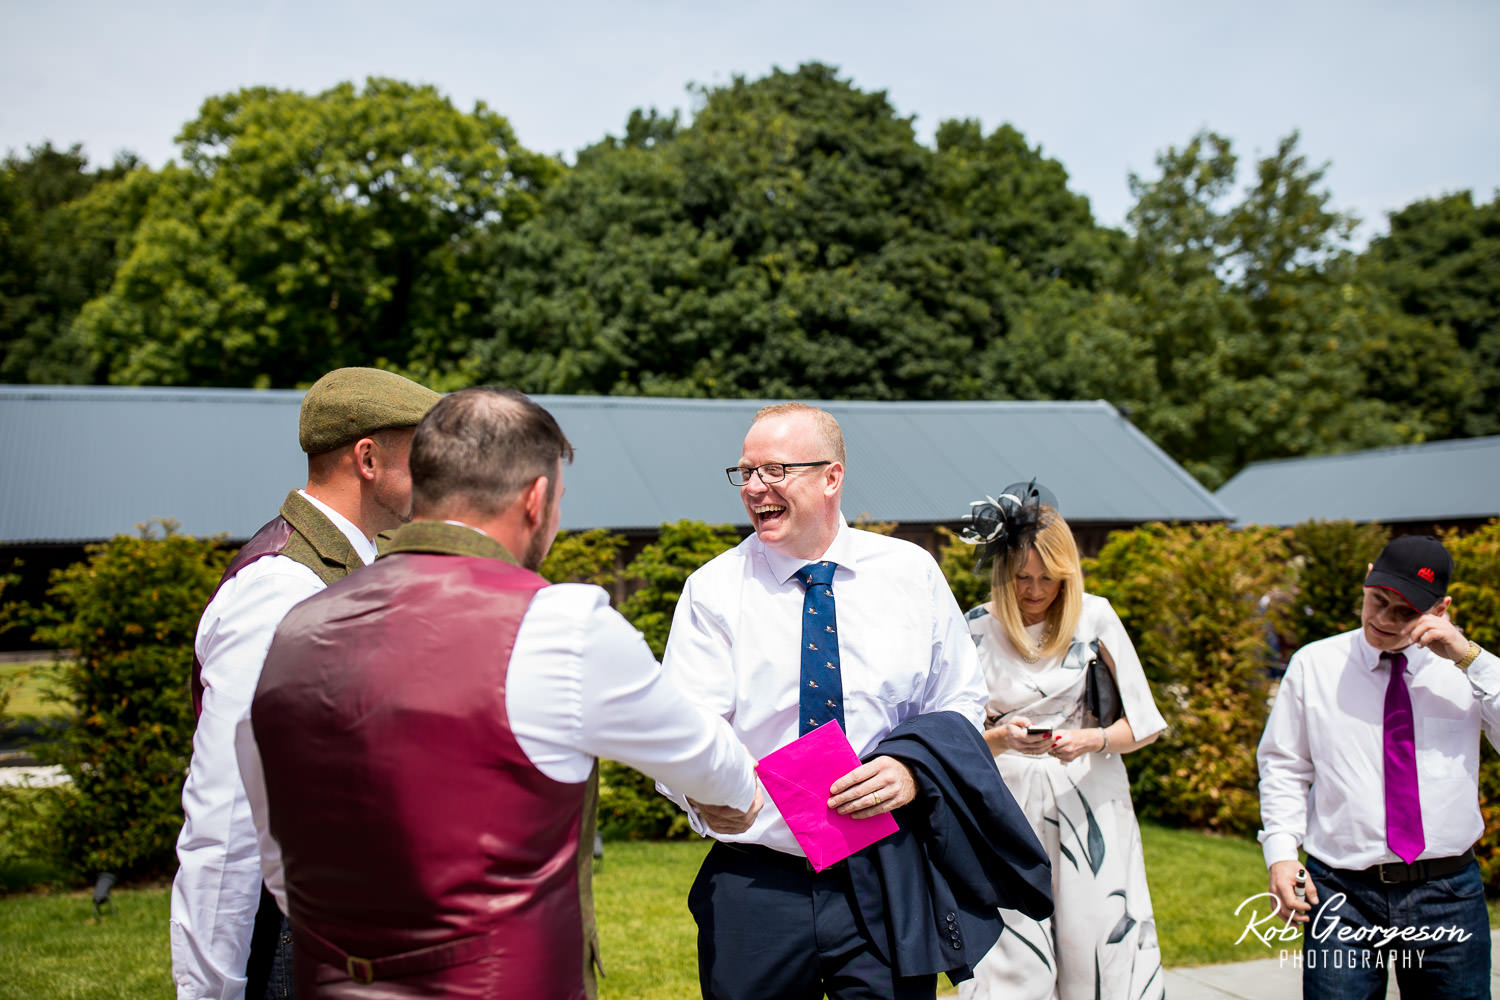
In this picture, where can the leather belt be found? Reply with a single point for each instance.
(406, 963)
(777, 859)
(1400, 873)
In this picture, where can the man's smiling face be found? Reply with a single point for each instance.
(798, 516)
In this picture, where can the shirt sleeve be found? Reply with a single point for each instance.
(955, 682)
(1130, 676)
(1286, 771)
(588, 686)
(1484, 679)
(217, 888)
(697, 662)
(254, 778)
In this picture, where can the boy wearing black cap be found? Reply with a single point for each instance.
(1370, 760)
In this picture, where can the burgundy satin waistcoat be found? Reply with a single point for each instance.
(408, 815)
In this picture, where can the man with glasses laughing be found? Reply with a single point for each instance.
(881, 643)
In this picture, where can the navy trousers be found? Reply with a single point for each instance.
(1354, 937)
(769, 926)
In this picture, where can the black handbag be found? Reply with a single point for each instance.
(1101, 694)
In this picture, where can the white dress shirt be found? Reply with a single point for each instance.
(904, 650)
(581, 684)
(217, 888)
(1322, 759)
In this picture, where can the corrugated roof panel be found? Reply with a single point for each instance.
(90, 462)
(1438, 481)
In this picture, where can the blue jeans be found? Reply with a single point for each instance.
(280, 985)
(1350, 943)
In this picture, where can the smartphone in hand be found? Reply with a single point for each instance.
(1038, 730)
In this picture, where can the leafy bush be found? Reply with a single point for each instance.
(1331, 559)
(1191, 597)
(663, 567)
(1475, 588)
(1476, 608)
(629, 805)
(956, 560)
(129, 613)
(583, 557)
(30, 853)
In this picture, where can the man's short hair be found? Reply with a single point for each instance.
(478, 448)
(828, 427)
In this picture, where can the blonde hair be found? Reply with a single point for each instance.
(1059, 553)
(828, 427)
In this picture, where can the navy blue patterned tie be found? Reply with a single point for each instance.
(822, 686)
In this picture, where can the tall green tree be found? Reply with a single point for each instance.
(303, 233)
(795, 239)
(1238, 328)
(1441, 261)
(56, 252)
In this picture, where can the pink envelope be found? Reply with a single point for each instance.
(798, 776)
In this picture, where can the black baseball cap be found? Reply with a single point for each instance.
(1415, 566)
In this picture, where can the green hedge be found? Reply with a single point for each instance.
(1476, 608)
(1205, 605)
(1192, 600)
(128, 614)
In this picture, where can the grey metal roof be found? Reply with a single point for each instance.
(1440, 481)
(83, 463)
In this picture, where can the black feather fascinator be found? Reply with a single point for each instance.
(1007, 523)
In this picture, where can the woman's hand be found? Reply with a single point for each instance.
(1011, 735)
(1069, 744)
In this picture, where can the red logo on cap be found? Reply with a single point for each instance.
(1426, 574)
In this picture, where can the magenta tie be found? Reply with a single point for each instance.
(1403, 806)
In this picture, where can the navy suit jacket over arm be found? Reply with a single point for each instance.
(930, 893)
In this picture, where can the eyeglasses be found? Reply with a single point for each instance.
(771, 472)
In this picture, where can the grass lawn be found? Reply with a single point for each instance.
(30, 678)
(51, 946)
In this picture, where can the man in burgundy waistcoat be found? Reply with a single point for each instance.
(355, 424)
(428, 729)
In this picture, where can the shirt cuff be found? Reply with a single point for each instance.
(1484, 674)
(1278, 847)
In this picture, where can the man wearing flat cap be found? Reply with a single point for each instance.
(421, 753)
(356, 424)
(1370, 760)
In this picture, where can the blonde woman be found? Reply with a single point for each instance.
(1035, 637)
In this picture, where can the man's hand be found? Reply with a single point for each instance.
(727, 819)
(881, 786)
(1439, 634)
(1283, 878)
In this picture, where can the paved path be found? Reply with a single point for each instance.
(40, 776)
(1268, 979)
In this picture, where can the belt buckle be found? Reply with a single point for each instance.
(361, 970)
(1391, 865)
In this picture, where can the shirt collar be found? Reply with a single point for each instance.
(363, 547)
(840, 550)
(1369, 656)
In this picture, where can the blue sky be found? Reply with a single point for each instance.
(1403, 99)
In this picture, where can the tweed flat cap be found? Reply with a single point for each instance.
(350, 403)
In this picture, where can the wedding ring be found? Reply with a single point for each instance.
(876, 796)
